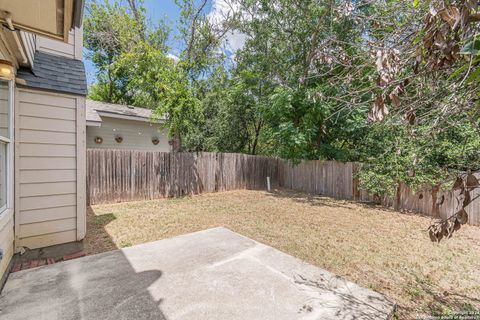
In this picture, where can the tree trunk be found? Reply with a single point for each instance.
(176, 142)
(398, 195)
(255, 139)
(435, 204)
(110, 86)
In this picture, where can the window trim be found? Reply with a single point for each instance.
(5, 206)
(9, 151)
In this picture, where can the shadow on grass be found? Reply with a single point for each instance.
(322, 200)
(318, 200)
(103, 220)
(98, 239)
(440, 303)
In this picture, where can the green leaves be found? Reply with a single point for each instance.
(133, 68)
(472, 67)
(392, 153)
(112, 32)
(303, 83)
(472, 47)
(474, 76)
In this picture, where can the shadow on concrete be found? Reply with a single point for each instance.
(354, 308)
(102, 286)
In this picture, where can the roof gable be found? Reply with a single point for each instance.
(54, 73)
(96, 110)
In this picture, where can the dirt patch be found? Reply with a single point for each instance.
(377, 248)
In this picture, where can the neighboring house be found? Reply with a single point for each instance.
(42, 126)
(114, 126)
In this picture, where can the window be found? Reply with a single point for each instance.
(5, 143)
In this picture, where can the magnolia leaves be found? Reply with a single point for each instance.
(379, 109)
(445, 228)
(440, 42)
(388, 66)
(443, 30)
(387, 62)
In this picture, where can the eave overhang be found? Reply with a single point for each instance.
(50, 18)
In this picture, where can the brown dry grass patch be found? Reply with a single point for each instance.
(377, 248)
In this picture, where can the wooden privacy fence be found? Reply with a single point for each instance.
(126, 175)
(338, 180)
(329, 178)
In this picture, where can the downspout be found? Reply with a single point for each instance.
(8, 19)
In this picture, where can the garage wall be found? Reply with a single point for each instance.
(137, 135)
(49, 168)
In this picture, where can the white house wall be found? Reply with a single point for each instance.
(137, 135)
(49, 159)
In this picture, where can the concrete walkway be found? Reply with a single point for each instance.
(212, 274)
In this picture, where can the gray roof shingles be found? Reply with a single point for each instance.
(51, 72)
(93, 107)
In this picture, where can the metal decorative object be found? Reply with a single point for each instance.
(155, 140)
(118, 138)
(98, 140)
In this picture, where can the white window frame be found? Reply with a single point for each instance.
(9, 151)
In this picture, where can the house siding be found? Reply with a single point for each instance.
(48, 148)
(6, 240)
(71, 49)
(137, 135)
(3, 111)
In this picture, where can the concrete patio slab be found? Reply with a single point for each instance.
(212, 274)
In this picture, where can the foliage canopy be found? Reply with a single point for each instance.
(393, 84)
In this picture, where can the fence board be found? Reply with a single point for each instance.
(126, 175)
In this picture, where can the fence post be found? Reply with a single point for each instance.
(114, 175)
(398, 195)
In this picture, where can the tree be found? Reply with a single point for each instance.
(316, 79)
(133, 68)
(232, 115)
(272, 95)
(111, 30)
